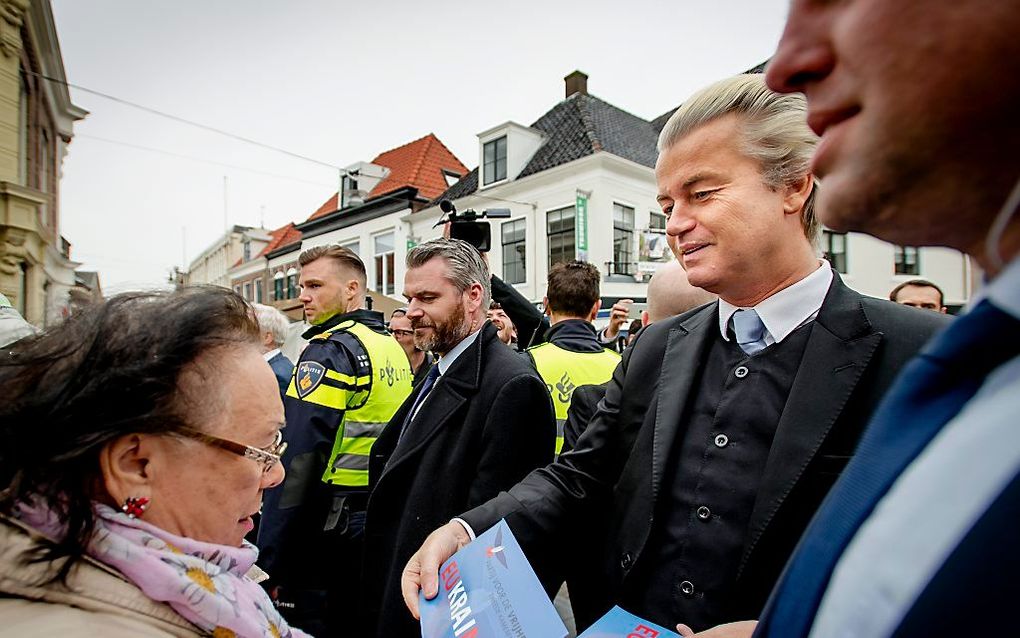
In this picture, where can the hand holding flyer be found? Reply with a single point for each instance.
(621, 624)
(489, 590)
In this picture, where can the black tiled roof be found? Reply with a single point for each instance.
(582, 125)
(578, 126)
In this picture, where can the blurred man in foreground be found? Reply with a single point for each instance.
(919, 536)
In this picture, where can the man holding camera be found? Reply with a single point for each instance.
(478, 423)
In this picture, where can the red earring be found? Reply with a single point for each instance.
(135, 507)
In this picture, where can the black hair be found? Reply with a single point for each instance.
(112, 369)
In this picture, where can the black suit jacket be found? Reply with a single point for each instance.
(856, 346)
(486, 424)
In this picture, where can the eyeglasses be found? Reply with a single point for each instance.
(402, 333)
(267, 457)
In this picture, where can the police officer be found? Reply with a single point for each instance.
(346, 386)
(572, 355)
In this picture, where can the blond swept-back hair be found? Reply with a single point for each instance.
(774, 129)
(343, 256)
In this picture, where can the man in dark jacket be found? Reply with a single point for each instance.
(479, 423)
(273, 324)
(722, 429)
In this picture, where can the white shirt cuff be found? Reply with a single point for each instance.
(467, 528)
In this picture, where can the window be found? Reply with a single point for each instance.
(513, 251)
(292, 283)
(494, 160)
(258, 291)
(349, 184)
(623, 239)
(247, 290)
(279, 286)
(906, 260)
(354, 247)
(384, 262)
(247, 250)
(656, 221)
(834, 250)
(560, 233)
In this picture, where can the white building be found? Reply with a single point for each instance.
(580, 183)
(237, 245)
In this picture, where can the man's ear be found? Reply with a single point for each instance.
(595, 310)
(126, 466)
(796, 194)
(545, 306)
(645, 318)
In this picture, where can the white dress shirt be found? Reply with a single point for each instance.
(932, 505)
(788, 309)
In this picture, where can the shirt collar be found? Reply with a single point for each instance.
(447, 359)
(272, 353)
(786, 310)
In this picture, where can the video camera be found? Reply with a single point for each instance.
(466, 227)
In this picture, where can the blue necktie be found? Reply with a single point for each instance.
(931, 390)
(426, 387)
(749, 331)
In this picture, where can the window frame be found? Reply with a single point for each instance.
(623, 235)
(516, 247)
(493, 176)
(385, 263)
(839, 265)
(901, 262)
(570, 234)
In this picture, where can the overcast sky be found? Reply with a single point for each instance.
(338, 81)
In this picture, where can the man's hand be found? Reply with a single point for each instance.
(422, 571)
(618, 316)
(742, 629)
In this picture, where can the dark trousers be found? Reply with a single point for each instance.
(326, 602)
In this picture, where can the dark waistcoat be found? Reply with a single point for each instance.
(687, 572)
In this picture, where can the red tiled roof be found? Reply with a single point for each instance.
(283, 236)
(419, 163)
(328, 207)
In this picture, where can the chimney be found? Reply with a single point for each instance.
(577, 82)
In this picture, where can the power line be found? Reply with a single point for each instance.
(182, 120)
(199, 159)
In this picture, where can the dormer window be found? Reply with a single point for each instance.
(494, 161)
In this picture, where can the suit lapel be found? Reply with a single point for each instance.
(685, 348)
(839, 348)
(449, 394)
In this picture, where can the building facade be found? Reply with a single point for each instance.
(36, 126)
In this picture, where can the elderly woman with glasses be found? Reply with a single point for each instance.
(135, 443)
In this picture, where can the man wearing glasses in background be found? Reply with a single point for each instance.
(400, 328)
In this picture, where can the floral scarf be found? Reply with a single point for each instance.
(203, 582)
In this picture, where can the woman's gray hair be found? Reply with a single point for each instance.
(463, 260)
(775, 131)
(274, 321)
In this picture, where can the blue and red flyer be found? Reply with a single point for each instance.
(488, 590)
(621, 624)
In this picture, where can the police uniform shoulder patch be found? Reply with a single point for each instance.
(309, 375)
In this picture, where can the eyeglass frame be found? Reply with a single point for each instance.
(399, 332)
(267, 457)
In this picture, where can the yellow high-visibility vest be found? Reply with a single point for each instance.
(369, 400)
(563, 370)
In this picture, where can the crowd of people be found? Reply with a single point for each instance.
(772, 454)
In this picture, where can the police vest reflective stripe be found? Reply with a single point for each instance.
(368, 410)
(563, 370)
